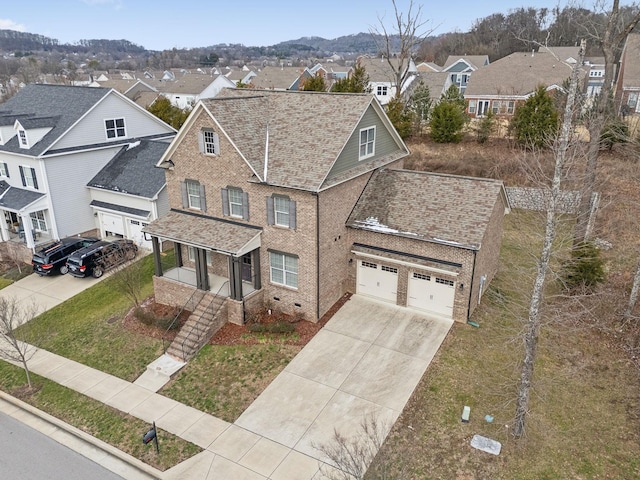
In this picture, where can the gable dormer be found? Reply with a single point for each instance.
(31, 130)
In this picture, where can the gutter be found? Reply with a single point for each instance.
(317, 254)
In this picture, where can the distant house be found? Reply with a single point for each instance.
(500, 86)
(628, 84)
(461, 68)
(382, 80)
(428, 67)
(53, 140)
(277, 78)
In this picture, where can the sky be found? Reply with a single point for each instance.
(157, 25)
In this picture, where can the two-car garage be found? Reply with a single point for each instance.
(426, 291)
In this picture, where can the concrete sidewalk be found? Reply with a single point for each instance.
(366, 361)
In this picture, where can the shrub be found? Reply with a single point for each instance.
(535, 122)
(585, 268)
(165, 322)
(145, 317)
(486, 126)
(614, 132)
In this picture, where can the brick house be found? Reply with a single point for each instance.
(267, 200)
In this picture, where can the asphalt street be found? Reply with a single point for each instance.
(26, 454)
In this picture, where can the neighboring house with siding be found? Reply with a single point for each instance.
(461, 68)
(130, 191)
(628, 84)
(262, 215)
(53, 140)
(382, 79)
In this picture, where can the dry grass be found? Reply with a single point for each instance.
(585, 411)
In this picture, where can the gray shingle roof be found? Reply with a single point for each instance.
(120, 208)
(307, 130)
(518, 74)
(132, 170)
(378, 69)
(444, 209)
(475, 61)
(276, 77)
(47, 101)
(15, 198)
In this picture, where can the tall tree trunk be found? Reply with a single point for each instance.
(537, 296)
(611, 43)
(633, 297)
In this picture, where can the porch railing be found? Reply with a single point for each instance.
(190, 305)
(197, 328)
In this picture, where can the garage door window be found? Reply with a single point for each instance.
(422, 276)
(369, 264)
(444, 281)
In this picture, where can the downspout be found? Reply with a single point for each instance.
(266, 156)
(317, 254)
(473, 273)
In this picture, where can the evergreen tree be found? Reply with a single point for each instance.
(165, 111)
(357, 82)
(314, 84)
(401, 116)
(448, 117)
(535, 121)
(421, 103)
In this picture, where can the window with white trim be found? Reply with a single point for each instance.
(281, 211)
(28, 176)
(235, 202)
(472, 106)
(193, 194)
(367, 143)
(284, 269)
(4, 169)
(382, 90)
(23, 138)
(38, 221)
(115, 128)
(208, 142)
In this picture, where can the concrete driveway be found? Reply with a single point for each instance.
(46, 292)
(365, 363)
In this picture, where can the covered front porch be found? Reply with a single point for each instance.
(211, 254)
(24, 216)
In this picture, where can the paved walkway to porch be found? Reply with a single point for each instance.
(366, 361)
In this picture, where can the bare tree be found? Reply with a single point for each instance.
(534, 320)
(352, 455)
(633, 297)
(12, 316)
(409, 31)
(611, 42)
(128, 278)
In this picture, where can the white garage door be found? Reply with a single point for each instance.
(431, 293)
(378, 281)
(112, 224)
(135, 233)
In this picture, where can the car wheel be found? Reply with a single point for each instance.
(64, 269)
(97, 272)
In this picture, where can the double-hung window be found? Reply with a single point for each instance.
(281, 211)
(367, 143)
(208, 142)
(235, 203)
(284, 269)
(4, 170)
(193, 195)
(38, 221)
(115, 128)
(23, 139)
(28, 176)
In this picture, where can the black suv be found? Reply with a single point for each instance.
(99, 257)
(53, 256)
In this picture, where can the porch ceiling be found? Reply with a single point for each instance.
(205, 232)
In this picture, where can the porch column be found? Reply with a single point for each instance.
(255, 263)
(28, 231)
(202, 274)
(4, 231)
(177, 249)
(235, 277)
(157, 263)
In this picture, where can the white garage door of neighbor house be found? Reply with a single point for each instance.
(431, 293)
(376, 280)
(135, 229)
(112, 224)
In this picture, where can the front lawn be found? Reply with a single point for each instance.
(88, 329)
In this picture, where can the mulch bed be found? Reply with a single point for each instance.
(231, 334)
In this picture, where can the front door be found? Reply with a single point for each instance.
(246, 267)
